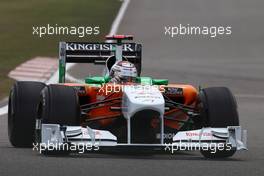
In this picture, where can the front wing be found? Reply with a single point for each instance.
(79, 139)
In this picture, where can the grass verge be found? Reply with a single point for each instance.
(17, 17)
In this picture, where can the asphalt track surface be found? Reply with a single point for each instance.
(236, 62)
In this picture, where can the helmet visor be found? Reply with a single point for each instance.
(128, 79)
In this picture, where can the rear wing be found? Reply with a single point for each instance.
(96, 53)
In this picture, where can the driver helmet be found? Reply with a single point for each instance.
(122, 72)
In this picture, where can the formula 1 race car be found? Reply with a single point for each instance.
(147, 114)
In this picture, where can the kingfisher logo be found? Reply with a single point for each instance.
(98, 47)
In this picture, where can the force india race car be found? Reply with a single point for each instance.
(149, 114)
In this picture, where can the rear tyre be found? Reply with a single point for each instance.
(219, 109)
(22, 112)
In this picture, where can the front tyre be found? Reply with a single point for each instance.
(219, 110)
(59, 104)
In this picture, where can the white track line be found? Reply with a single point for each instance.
(114, 28)
(119, 17)
(3, 110)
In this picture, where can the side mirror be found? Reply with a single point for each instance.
(95, 80)
(160, 81)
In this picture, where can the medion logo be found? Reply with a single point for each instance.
(97, 46)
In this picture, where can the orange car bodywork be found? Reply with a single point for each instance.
(95, 94)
